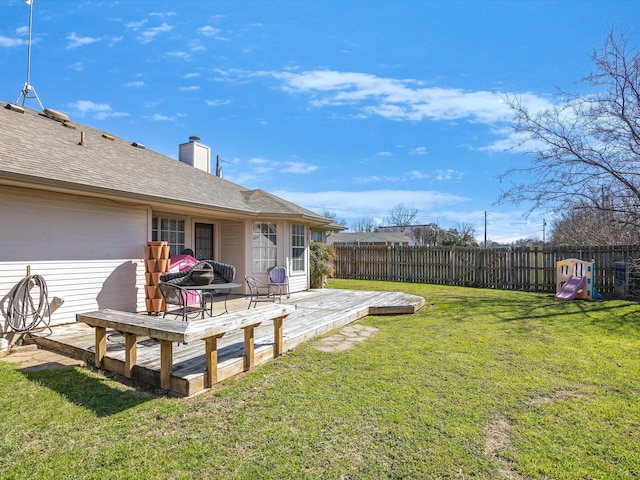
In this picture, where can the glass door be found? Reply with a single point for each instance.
(204, 241)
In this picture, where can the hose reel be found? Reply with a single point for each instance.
(29, 304)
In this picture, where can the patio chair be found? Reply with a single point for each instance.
(260, 291)
(278, 276)
(178, 297)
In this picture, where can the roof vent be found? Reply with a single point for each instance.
(57, 116)
(138, 145)
(194, 139)
(108, 137)
(15, 108)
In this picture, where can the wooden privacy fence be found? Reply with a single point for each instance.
(530, 269)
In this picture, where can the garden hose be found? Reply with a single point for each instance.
(28, 307)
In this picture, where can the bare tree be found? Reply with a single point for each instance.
(461, 236)
(424, 235)
(467, 234)
(586, 149)
(401, 216)
(588, 227)
(333, 216)
(363, 224)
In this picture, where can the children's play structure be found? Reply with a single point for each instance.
(574, 279)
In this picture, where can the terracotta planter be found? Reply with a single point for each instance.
(151, 291)
(150, 265)
(153, 278)
(156, 251)
(155, 305)
(162, 265)
(165, 252)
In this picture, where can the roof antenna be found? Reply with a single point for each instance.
(28, 89)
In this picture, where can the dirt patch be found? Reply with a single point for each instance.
(554, 397)
(497, 436)
(30, 358)
(345, 338)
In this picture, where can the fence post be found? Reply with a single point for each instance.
(451, 265)
(355, 262)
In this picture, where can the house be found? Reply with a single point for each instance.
(78, 205)
(389, 239)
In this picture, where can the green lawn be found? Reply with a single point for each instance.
(480, 384)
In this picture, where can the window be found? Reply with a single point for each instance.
(170, 230)
(317, 236)
(264, 245)
(297, 248)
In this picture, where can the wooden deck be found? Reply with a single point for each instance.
(317, 312)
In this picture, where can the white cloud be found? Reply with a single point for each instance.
(211, 32)
(217, 103)
(182, 55)
(137, 25)
(78, 66)
(418, 151)
(400, 177)
(190, 88)
(11, 42)
(151, 33)
(259, 161)
(98, 111)
(158, 117)
(134, 84)
(298, 167)
(162, 14)
(416, 175)
(371, 203)
(75, 41)
(394, 99)
(433, 207)
(447, 174)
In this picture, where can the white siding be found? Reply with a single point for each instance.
(90, 253)
(232, 246)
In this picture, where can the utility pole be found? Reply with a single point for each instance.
(218, 166)
(485, 229)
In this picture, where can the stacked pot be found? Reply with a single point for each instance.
(156, 262)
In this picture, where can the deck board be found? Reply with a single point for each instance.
(318, 312)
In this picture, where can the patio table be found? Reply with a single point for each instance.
(210, 291)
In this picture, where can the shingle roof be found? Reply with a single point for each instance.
(34, 148)
(367, 237)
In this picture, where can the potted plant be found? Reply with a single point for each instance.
(322, 258)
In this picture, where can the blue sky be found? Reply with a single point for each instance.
(349, 106)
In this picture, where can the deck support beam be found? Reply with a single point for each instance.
(249, 339)
(101, 345)
(211, 359)
(277, 336)
(130, 353)
(166, 363)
